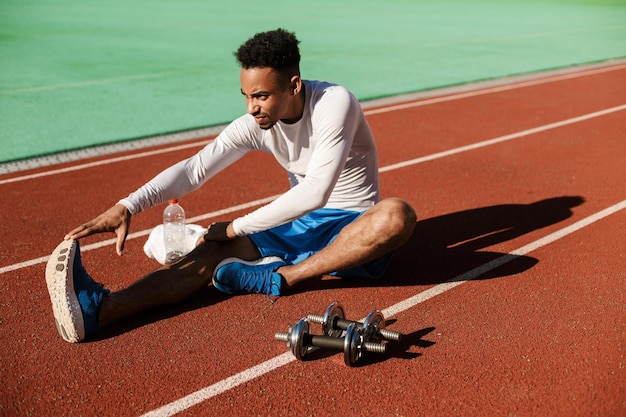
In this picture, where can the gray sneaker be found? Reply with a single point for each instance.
(75, 296)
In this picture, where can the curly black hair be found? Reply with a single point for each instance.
(277, 49)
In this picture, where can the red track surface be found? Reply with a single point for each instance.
(540, 335)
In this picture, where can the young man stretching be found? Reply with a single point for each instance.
(329, 222)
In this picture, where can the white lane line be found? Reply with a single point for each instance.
(504, 138)
(270, 365)
(385, 109)
(382, 170)
(222, 386)
(142, 233)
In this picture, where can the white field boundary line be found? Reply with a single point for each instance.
(385, 109)
(392, 167)
(104, 162)
(494, 89)
(273, 364)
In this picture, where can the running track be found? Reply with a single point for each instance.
(511, 293)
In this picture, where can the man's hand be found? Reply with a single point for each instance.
(116, 219)
(220, 231)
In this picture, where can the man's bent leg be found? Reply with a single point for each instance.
(380, 230)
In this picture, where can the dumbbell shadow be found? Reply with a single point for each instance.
(402, 348)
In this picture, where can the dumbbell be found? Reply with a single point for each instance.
(333, 322)
(353, 344)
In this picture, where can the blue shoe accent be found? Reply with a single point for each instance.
(76, 297)
(236, 276)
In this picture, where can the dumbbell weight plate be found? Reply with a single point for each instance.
(374, 320)
(334, 312)
(296, 338)
(352, 345)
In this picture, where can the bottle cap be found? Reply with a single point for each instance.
(175, 201)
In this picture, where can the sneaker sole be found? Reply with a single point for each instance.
(68, 316)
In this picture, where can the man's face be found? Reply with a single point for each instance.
(268, 95)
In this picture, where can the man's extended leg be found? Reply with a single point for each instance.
(81, 305)
(176, 282)
(380, 230)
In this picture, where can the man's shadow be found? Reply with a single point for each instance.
(444, 247)
(440, 249)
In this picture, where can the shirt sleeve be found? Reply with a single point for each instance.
(188, 175)
(335, 120)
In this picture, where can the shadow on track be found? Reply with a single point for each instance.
(446, 246)
(402, 349)
(205, 298)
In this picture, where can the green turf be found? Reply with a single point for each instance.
(80, 73)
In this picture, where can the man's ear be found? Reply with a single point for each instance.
(296, 85)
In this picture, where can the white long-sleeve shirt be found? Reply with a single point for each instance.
(329, 154)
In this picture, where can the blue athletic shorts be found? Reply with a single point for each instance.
(297, 240)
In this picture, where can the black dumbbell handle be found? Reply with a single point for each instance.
(326, 342)
(344, 323)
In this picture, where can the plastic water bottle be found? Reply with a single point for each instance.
(174, 231)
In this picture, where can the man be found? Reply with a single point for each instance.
(330, 221)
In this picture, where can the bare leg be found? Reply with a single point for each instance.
(380, 230)
(174, 283)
